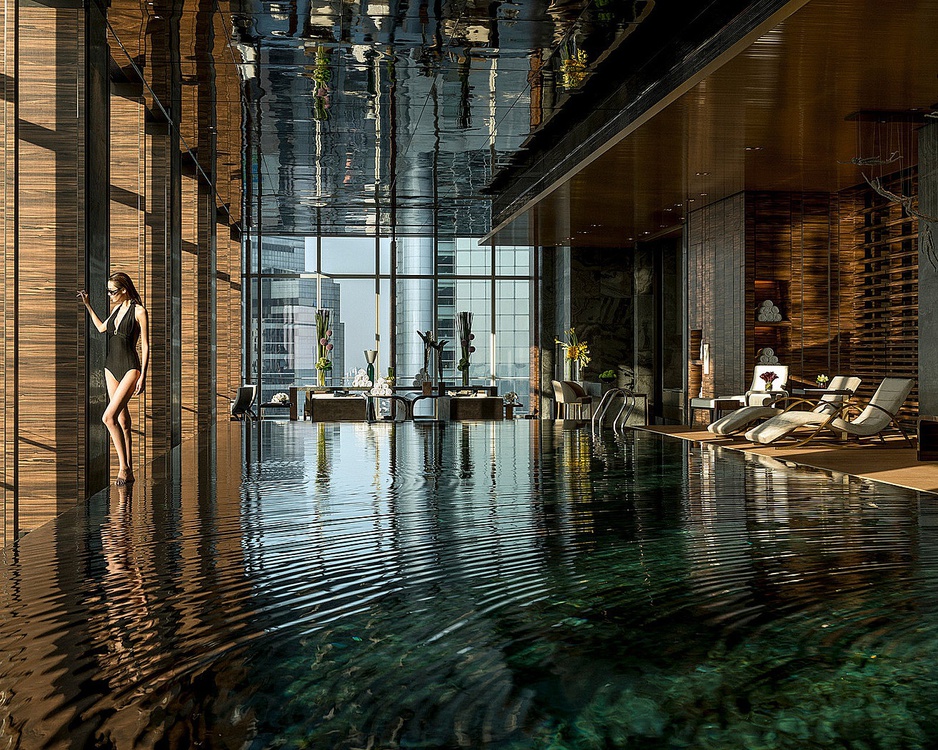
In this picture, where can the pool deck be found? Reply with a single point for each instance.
(891, 461)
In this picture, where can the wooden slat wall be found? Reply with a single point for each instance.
(884, 244)
(228, 264)
(192, 328)
(842, 268)
(50, 254)
(128, 235)
(7, 307)
(228, 254)
(43, 261)
(793, 245)
(157, 274)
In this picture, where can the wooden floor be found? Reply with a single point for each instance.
(893, 461)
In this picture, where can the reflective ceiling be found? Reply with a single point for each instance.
(396, 117)
(825, 83)
(393, 116)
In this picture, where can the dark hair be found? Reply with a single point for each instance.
(123, 282)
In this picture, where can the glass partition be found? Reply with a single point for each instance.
(372, 307)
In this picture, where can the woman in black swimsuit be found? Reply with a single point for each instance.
(124, 371)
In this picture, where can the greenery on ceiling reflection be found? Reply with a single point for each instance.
(322, 77)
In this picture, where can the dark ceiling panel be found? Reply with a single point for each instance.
(778, 116)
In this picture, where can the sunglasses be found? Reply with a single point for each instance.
(112, 292)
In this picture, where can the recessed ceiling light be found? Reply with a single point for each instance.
(678, 205)
(690, 200)
(669, 209)
(662, 226)
(703, 195)
(703, 174)
(753, 148)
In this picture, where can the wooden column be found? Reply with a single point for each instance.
(8, 271)
(48, 258)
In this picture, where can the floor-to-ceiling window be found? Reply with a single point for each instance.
(380, 294)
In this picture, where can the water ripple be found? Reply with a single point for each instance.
(506, 585)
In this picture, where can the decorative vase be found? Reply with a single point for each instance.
(370, 356)
(321, 378)
(464, 329)
(573, 369)
(768, 386)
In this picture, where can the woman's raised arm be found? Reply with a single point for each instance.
(101, 326)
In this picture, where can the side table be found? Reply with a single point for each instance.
(716, 407)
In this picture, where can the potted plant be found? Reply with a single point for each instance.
(607, 376)
(576, 353)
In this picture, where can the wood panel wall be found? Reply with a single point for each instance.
(883, 242)
(128, 218)
(192, 329)
(8, 271)
(48, 257)
(48, 380)
(228, 359)
(843, 269)
(793, 248)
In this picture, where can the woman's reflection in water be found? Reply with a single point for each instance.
(129, 612)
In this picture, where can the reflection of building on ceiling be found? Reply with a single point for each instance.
(288, 314)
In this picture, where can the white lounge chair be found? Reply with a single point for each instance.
(879, 413)
(757, 395)
(831, 403)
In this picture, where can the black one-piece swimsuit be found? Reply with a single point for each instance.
(122, 344)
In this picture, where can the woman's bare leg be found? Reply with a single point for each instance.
(125, 423)
(119, 394)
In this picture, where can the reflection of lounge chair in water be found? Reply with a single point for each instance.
(243, 405)
(878, 415)
(831, 403)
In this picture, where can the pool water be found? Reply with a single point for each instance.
(503, 585)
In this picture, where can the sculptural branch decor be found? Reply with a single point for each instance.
(324, 345)
(464, 329)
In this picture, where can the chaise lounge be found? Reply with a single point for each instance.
(841, 386)
(878, 415)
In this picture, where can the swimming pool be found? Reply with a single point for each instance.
(509, 585)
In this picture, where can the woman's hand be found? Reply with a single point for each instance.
(83, 296)
(138, 388)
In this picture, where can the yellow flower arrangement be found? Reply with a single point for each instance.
(574, 349)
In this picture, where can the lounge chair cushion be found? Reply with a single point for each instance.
(736, 420)
(779, 426)
(739, 419)
(875, 418)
